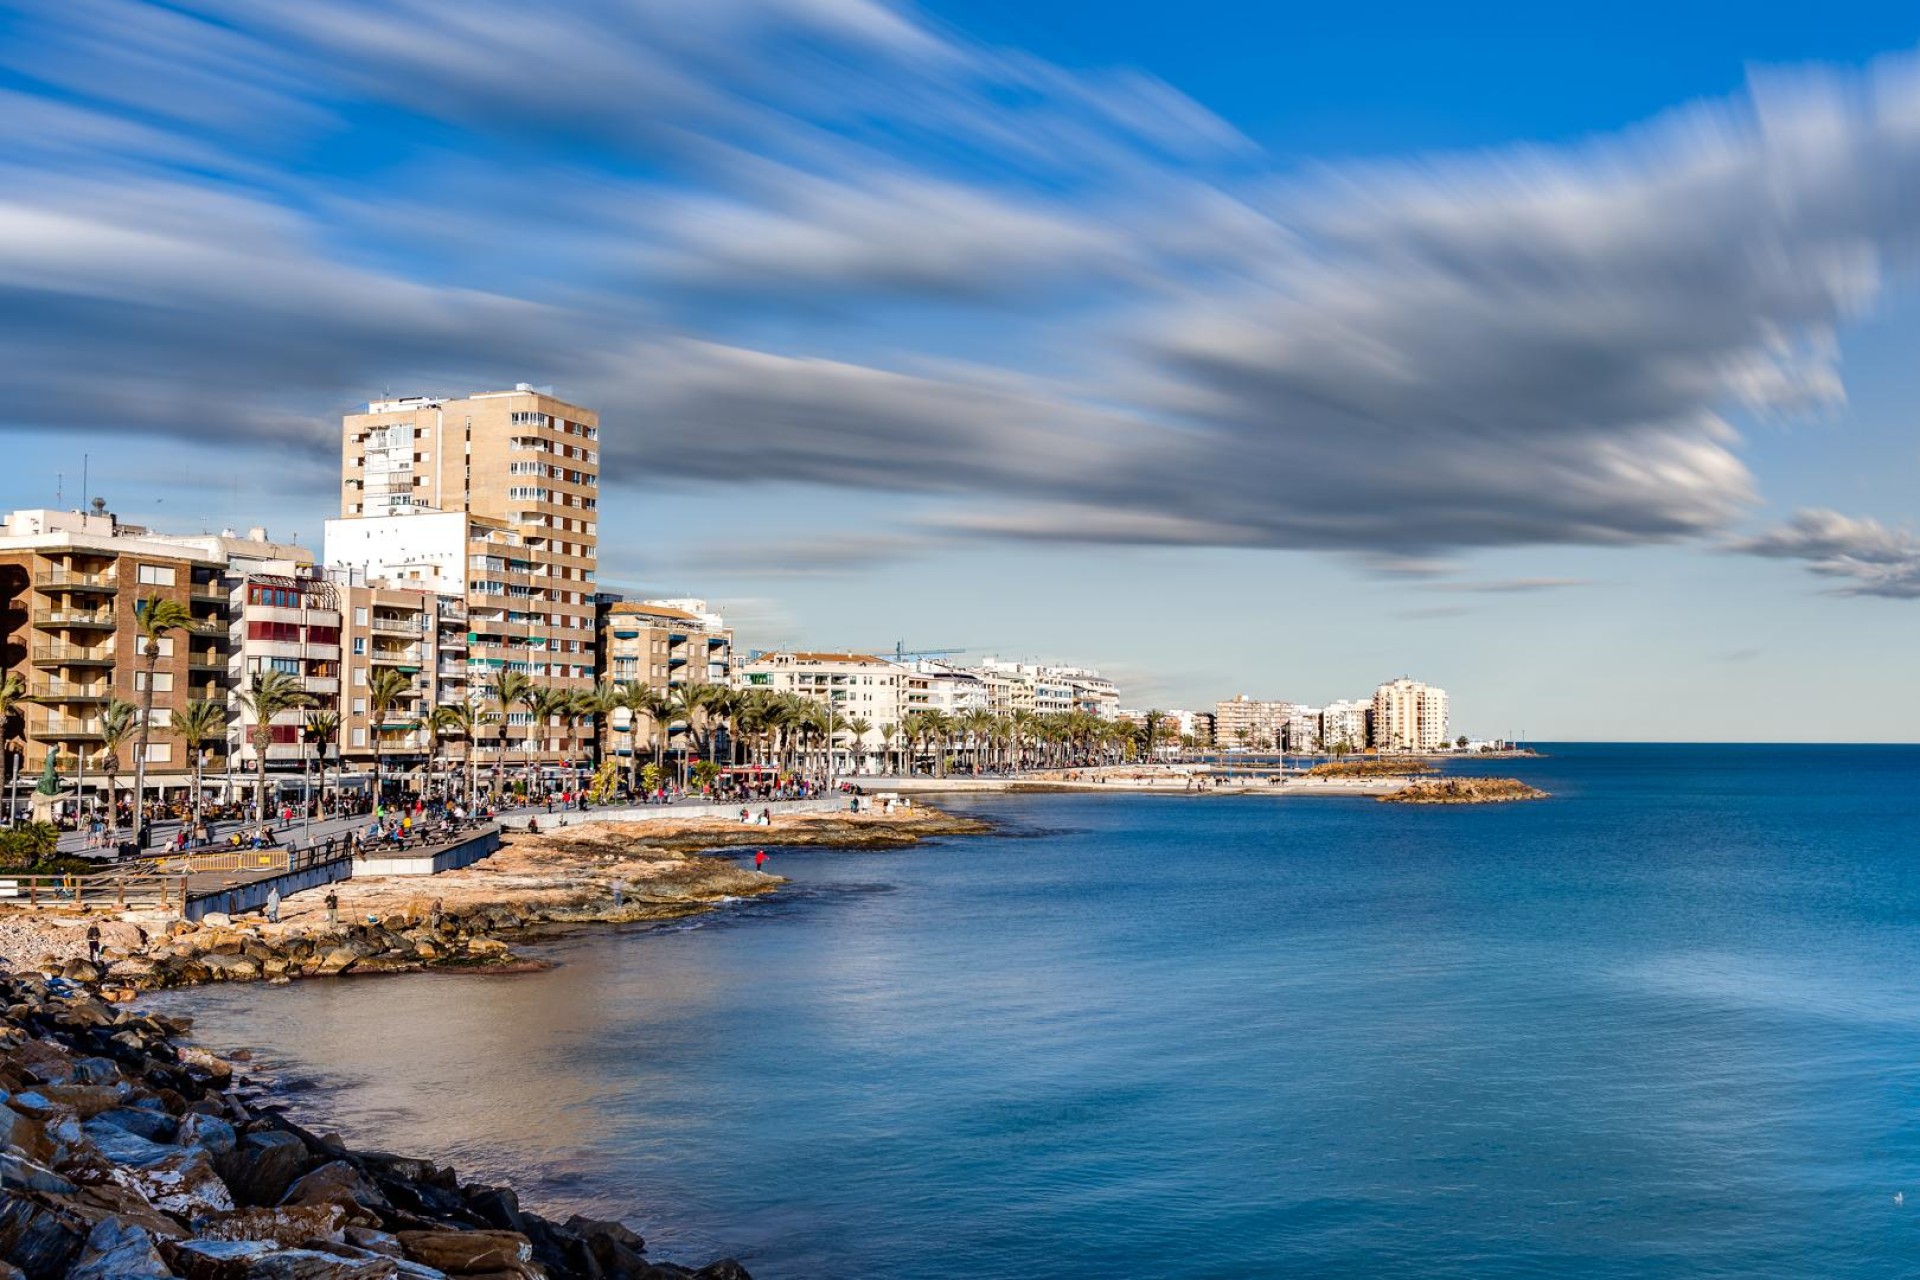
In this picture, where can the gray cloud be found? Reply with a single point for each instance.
(1530, 347)
(1866, 557)
(823, 557)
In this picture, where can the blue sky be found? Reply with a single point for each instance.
(1561, 358)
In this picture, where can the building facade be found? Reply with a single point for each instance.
(491, 498)
(1249, 722)
(1409, 716)
(1344, 726)
(664, 645)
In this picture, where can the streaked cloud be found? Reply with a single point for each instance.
(1863, 556)
(834, 243)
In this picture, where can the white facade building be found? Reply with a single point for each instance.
(1409, 716)
(1343, 725)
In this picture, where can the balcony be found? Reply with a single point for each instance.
(215, 626)
(406, 660)
(71, 580)
(68, 691)
(72, 655)
(63, 729)
(208, 592)
(396, 626)
(208, 660)
(90, 619)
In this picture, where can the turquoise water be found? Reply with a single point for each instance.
(1667, 1023)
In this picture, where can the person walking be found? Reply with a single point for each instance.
(759, 859)
(333, 908)
(273, 906)
(619, 893)
(93, 943)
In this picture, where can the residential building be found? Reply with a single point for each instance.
(70, 587)
(493, 498)
(664, 645)
(1343, 726)
(1249, 722)
(1047, 690)
(856, 685)
(1302, 730)
(1409, 716)
(286, 622)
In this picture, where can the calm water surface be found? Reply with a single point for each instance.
(1667, 1023)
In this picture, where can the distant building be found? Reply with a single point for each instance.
(664, 645)
(1343, 726)
(1248, 722)
(1409, 716)
(1303, 730)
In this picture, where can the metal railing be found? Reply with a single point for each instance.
(69, 578)
(36, 891)
(56, 652)
(64, 691)
(73, 618)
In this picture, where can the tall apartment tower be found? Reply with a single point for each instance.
(1409, 716)
(493, 498)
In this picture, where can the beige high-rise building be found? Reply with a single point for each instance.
(493, 498)
(1409, 716)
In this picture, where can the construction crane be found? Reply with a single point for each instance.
(901, 654)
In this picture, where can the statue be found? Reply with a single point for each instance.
(49, 778)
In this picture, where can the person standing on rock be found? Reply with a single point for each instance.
(619, 892)
(93, 943)
(759, 859)
(273, 906)
(333, 907)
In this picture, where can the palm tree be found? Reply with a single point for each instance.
(118, 723)
(859, 727)
(443, 722)
(13, 691)
(322, 727)
(157, 616)
(545, 704)
(886, 746)
(462, 720)
(197, 724)
(270, 694)
(638, 701)
(506, 689)
(387, 690)
(1154, 717)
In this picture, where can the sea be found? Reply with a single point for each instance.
(1665, 1023)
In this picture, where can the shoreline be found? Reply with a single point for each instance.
(133, 1152)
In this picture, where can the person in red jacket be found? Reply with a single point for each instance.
(759, 859)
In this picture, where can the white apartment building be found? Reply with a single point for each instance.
(1250, 722)
(935, 686)
(1047, 690)
(1303, 729)
(858, 686)
(1409, 716)
(1343, 725)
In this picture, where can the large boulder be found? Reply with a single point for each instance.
(17, 1173)
(125, 1147)
(185, 1184)
(217, 1259)
(38, 1238)
(118, 1250)
(339, 1183)
(263, 1166)
(311, 1264)
(122, 935)
(196, 1058)
(211, 1133)
(468, 1253)
(339, 960)
(26, 1135)
(155, 1126)
(288, 1226)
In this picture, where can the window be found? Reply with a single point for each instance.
(360, 617)
(360, 645)
(359, 706)
(159, 752)
(166, 646)
(162, 681)
(360, 676)
(288, 666)
(359, 737)
(155, 575)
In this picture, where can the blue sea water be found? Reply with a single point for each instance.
(1664, 1024)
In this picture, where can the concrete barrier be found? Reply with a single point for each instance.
(252, 896)
(430, 862)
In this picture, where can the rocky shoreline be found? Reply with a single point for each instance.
(130, 1156)
(1464, 791)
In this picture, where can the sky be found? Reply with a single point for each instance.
(1563, 359)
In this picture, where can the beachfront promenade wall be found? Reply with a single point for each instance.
(451, 858)
(659, 812)
(252, 896)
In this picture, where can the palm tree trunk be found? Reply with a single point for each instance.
(140, 747)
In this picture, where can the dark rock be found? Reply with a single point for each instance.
(339, 1183)
(118, 1250)
(497, 1207)
(122, 1146)
(185, 1184)
(217, 1259)
(311, 1264)
(199, 1129)
(17, 1173)
(287, 1226)
(37, 1238)
(724, 1269)
(468, 1253)
(263, 1166)
(156, 1126)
